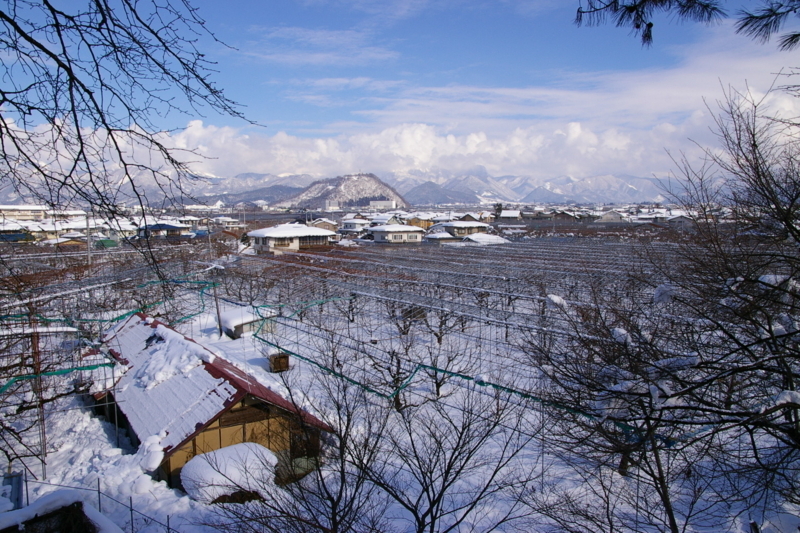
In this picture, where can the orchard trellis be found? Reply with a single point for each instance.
(421, 326)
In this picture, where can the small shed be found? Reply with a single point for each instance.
(237, 321)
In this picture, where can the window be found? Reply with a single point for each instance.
(412, 237)
(397, 237)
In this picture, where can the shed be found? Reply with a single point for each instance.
(178, 399)
(237, 321)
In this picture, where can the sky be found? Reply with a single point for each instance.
(513, 86)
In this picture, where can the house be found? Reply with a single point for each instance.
(509, 215)
(178, 399)
(167, 230)
(565, 217)
(610, 217)
(354, 226)
(324, 223)
(446, 217)
(288, 237)
(386, 219)
(440, 237)
(397, 234)
(682, 222)
(461, 228)
(14, 232)
(23, 212)
(421, 220)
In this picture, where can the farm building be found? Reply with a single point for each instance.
(177, 399)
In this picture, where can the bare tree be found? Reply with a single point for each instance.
(81, 86)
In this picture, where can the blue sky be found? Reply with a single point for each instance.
(512, 85)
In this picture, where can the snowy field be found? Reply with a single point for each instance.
(429, 365)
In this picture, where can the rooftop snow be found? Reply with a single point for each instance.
(397, 228)
(289, 231)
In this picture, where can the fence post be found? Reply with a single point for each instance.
(133, 530)
(27, 496)
(168, 528)
(99, 501)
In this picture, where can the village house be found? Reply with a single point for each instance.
(610, 217)
(324, 223)
(509, 215)
(165, 230)
(288, 237)
(178, 399)
(23, 212)
(354, 227)
(460, 228)
(420, 220)
(386, 219)
(397, 234)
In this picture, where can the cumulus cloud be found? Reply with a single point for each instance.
(582, 124)
(574, 149)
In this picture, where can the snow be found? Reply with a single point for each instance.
(52, 502)
(397, 228)
(663, 294)
(84, 457)
(243, 466)
(283, 231)
(556, 301)
(788, 397)
(243, 315)
(485, 239)
(621, 336)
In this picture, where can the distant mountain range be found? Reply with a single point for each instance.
(417, 187)
(437, 187)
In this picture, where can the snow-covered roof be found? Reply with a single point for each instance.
(174, 387)
(243, 315)
(510, 213)
(442, 235)
(11, 225)
(460, 224)
(52, 502)
(289, 231)
(485, 238)
(397, 228)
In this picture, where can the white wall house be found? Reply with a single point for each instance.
(397, 234)
(288, 237)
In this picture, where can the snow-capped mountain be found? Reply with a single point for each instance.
(349, 191)
(527, 189)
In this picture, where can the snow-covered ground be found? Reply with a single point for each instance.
(87, 454)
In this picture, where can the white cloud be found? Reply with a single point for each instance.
(585, 124)
(297, 46)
